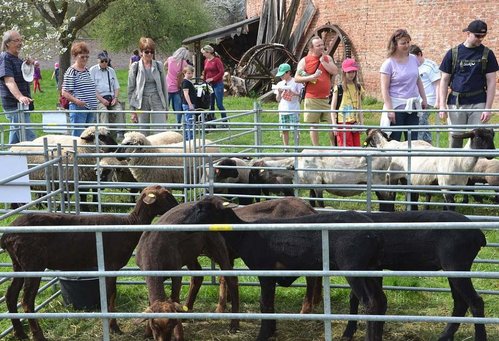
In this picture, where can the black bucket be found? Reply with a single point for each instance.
(80, 292)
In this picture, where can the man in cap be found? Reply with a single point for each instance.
(14, 88)
(108, 89)
(470, 71)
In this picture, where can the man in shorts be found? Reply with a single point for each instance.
(316, 70)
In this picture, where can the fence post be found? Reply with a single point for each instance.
(257, 108)
(327, 284)
(370, 175)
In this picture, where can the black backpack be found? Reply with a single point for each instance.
(340, 96)
(203, 101)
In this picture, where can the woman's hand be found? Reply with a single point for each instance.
(134, 118)
(391, 116)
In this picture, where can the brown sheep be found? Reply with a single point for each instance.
(75, 251)
(183, 248)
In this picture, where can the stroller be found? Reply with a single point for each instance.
(203, 99)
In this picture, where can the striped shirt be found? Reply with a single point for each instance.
(81, 86)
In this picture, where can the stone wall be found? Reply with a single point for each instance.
(434, 25)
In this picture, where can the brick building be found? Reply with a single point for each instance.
(435, 25)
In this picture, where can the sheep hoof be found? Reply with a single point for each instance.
(21, 335)
(234, 327)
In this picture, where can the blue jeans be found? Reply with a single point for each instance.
(175, 100)
(15, 133)
(189, 123)
(218, 97)
(405, 119)
(75, 116)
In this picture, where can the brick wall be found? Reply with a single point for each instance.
(435, 25)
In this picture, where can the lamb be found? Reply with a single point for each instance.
(182, 248)
(340, 170)
(230, 170)
(430, 250)
(430, 170)
(86, 144)
(170, 169)
(264, 174)
(481, 169)
(111, 169)
(162, 328)
(74, 251)
(299, 250)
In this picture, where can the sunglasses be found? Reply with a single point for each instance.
(148, 51)
(104, 61)
(479, 36)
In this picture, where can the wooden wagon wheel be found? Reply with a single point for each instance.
(337, 44)
(258, 66)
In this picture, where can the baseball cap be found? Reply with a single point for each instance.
(28, 71)
(349, 64)
(283, 68)
(102, 55)
(476, 26)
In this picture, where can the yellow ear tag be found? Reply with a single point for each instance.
(184, 308)
(226, 203)
(220, 227)
(151, 195)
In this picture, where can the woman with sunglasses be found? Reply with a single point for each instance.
(79, 88)
(147, 88)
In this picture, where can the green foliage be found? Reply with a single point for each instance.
(167, 22)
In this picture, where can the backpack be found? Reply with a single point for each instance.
(340, 96)
(483, 60)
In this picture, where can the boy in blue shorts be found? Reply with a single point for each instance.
(288, 95)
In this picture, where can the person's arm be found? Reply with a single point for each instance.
(329, 65)
(188, 98)
(422, 93)
(132, 80)
(436, 86)
(334, 102)
(444, 88)
(11, 84)
(116, 87)
(491, 91)
(385, 93)
(300, 70)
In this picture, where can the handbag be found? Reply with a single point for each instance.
(63, 102)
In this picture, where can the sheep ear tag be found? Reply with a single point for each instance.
(149, 199)
(228, 204)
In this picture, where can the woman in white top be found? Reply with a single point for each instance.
(401, 85)
(147, 88)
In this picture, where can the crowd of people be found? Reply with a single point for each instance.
(409, 83)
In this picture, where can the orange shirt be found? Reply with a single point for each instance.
(323, 85)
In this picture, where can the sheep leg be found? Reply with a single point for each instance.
(464, 296)
(223, 296)
(31, 286)
(383, 206)
(449, 199)
(176, 286)
(194, 286)
(313, 294)
(414, 198)
(111, 302)
(220, 254)
(351, 327)
(11, 297)
(267, 299)
(370, 293)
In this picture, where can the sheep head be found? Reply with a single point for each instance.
(162, 328)
(212, 210)
(132, 143)
(223, 174)
(90, 134)
(480, 138)
(157, 199)
(375, 138)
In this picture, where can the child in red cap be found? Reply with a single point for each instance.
(351, 100)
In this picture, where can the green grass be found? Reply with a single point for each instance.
(134, 298)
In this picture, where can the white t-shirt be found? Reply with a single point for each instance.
(429, 73)
(290, 97)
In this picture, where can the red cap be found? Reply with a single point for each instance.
(349, 64)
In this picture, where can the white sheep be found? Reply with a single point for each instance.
(483, 167)
(430, 170)
(163, 169)
(340, 170)
(165, 137)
